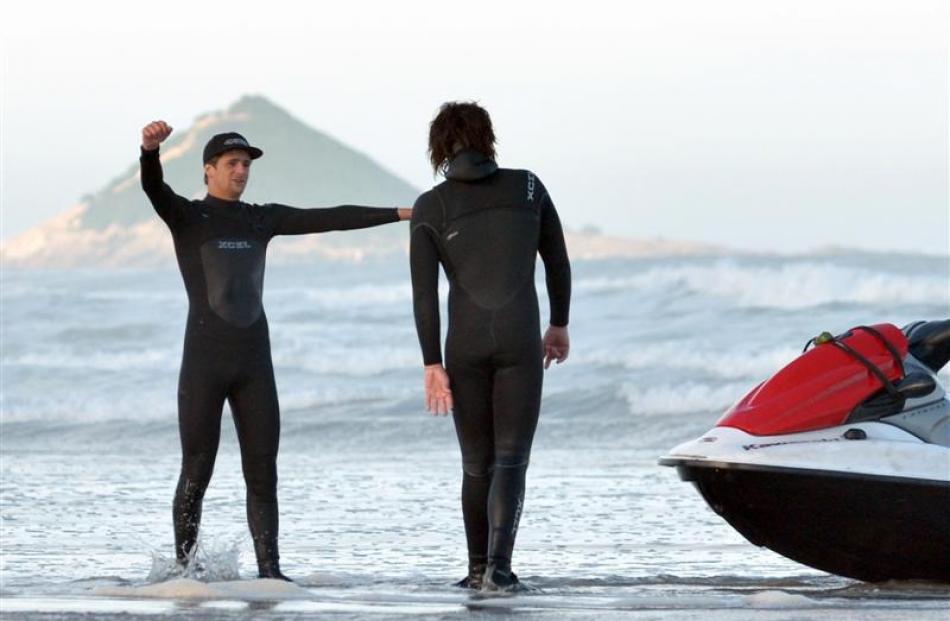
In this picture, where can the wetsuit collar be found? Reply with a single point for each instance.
(214, 200)
(470, 165)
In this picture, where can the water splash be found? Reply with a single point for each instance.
(209, 562)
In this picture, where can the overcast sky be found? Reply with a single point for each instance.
(782, 125)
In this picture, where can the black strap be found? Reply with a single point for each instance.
(893, 350)
(873, 368)
(826, 338)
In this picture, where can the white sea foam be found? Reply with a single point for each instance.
(787, 285)
(361, 397)
(345, 298)
(779, 599)
(682, 398)
(151, 296)
(735, 363)
(348, 360)
(60, 357)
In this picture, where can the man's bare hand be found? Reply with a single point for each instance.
(438, 393)
(405, 213)
(557, 344)
(155, 134)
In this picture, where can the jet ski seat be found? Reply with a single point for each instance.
(914, 385)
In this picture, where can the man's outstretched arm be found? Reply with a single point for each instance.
(295, 221)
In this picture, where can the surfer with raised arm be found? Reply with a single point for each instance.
(220, 243)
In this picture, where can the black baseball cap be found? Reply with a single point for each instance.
(220, 143)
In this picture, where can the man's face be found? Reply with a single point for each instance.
(228, 177)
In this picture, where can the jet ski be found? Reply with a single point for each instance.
(841, 460)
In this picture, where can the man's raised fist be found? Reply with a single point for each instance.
(155, 134)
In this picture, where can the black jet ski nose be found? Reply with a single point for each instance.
(929, 342)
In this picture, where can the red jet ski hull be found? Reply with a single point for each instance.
(820, 388)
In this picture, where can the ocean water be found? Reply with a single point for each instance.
(369, 483)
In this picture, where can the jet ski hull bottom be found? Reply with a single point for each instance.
(867, 527)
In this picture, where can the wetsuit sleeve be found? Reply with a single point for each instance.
(424, 264)
(294, 221)
(557, 267)
(169, 206)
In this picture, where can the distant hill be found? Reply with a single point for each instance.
(117, 227)
(301, 166)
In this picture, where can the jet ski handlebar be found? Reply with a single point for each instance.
(929, 342)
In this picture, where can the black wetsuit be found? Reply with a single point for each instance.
(221, 248)
(486, 226)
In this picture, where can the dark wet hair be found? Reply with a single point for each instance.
(459, 125)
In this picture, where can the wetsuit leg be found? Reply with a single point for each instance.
(256, 412)
(201, 394)
(516, 401)
(471, 383)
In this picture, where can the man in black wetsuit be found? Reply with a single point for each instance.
(220, 243)
(486, 225)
